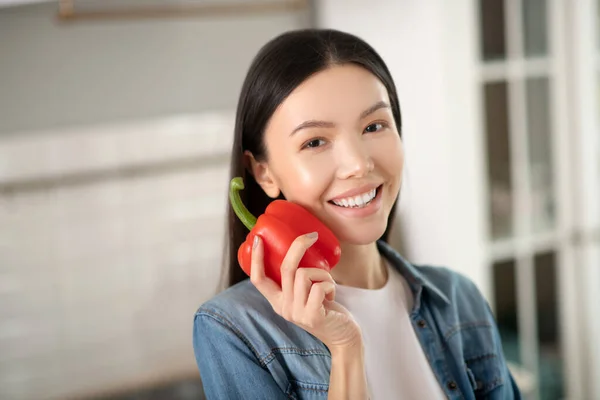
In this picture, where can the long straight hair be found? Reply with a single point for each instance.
(279, 67)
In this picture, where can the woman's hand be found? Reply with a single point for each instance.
(306, 297)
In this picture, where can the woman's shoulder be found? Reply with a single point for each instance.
(443, 282)
(452, 283)
(244, 311)
(237, 334)
(235, 302)
(462, 302)
(448, 280)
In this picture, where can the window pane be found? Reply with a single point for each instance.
(493, 42)
(540, 154)
(498, 155)
(505, 299)
(535, 28)
(550, 367)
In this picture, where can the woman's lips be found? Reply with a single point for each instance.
(359, 212)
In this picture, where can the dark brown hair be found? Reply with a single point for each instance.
(278, 68)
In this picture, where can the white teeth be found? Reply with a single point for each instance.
(357, 201)
(366, 198)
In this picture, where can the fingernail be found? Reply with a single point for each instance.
(312, 235)
(255, 242)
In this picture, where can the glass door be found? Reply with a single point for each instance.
(520, 79)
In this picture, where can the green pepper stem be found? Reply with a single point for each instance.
(238, 206)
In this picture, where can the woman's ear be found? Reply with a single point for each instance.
(262, 175)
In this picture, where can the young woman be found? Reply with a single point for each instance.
(318, 124)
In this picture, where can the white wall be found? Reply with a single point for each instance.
(431, 50)
(56, 74)
(100, 277)
(585, 103)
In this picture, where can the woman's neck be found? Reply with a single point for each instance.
(360, 266)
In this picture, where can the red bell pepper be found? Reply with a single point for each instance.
(282, 222)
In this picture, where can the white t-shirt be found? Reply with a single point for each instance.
(396, 365)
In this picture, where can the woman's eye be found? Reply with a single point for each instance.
(374, 127)
(314, 143)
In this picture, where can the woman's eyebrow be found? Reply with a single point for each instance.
(326, 124)
(377, 106)
(313, 124)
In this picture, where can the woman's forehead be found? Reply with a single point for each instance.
(337, 94)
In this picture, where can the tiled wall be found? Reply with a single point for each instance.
(110, 238)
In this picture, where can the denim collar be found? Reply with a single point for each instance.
(413, 276)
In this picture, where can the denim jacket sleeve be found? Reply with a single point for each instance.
(514, 391)
(511, 390)
(229, 369)
(471, 336)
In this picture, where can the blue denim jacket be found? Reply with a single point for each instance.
(245, 350)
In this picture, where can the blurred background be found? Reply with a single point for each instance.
(116, 119)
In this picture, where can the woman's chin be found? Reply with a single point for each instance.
(362, 237)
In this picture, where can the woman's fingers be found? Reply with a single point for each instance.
(288, 270)
(303, 297)
(263, 283)
(314, 306)
(302, 291)
(305, 277)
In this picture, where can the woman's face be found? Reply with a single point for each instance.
(333, 147)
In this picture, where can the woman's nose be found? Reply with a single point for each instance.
(354, 160)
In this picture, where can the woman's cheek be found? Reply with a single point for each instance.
(389, 154)
(309, 180)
